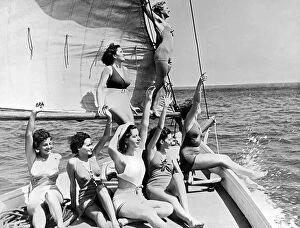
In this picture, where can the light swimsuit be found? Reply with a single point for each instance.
(41, 181)
(164, 51)
(133, 173)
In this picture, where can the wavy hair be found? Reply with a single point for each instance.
(77, 141)
(108, 56)
(122, 147)
(39, 136)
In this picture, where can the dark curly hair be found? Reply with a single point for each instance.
(158, 7)
(163, 135)
(39, 136)
(77, 141)
(108, 55)
(185, 107)
(122, 142)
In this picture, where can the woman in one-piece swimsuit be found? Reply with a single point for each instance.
(191, 155)
(164, 44)
(165, 177)
(93, 196)
(112, 88)
(43, 167)
(125, 149)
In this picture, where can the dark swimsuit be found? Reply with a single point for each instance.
(115, 80)
(190, 148)
(161, 171)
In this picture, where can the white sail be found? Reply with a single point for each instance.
(51, 51)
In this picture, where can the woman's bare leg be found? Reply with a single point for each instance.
(162, 69)
(54, 200)
(38, 216)
(180, 190)
(142, 212)
(206, 161)
(94, 212)
(106, 203)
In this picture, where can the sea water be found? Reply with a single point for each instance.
(258, 127)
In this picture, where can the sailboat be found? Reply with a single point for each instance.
(51, 50)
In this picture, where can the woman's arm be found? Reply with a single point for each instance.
(195, 109)
(107, 131)
(29, 151)
(157, 20)
(146, 116)
(71, 173)
(151, 147)
(101, 86)
(113, 152)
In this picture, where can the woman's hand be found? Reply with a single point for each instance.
(149, 93)
(107, 113)
(135, 109)
(38, 107)
(203, 78)
(168, 99)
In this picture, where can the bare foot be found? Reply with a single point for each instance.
(125, 221)
(196, 224)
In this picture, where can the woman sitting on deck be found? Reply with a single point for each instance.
(191, 157)
(113, 86)
(43, 168)
(165, 177)
(164, 44)
(125, 149)
(93, 195)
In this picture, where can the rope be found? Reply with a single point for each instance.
(29, 40)
(198, 53)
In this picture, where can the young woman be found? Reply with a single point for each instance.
(83, 168)
(164, 44)
(190, 154)
(112, 87)
(125, 149)
(165, 177)
(43, 168)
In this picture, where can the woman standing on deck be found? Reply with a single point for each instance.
(125, 149)
(43, 168)
(84, 169)
(191, 157)
(165, 177)
(164, 44)
(112, 87)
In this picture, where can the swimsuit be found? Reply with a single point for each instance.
(116, 81)
(190, 148)
(41, 182)
(133, 173)
(117, 97)
(88, 181)
(165, 48)
(161, 171)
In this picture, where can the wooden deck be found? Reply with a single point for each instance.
(213, 206)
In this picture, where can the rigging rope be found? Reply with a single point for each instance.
(198, 54)
(66, 51)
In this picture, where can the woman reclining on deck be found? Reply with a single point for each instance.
(84, 169)
(165, 177)
(125, 149)
(43, 168)
(190, 154)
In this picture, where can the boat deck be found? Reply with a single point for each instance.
(214, 207)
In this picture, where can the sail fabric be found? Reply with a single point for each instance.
(51, 50)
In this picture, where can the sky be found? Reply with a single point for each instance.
(241, 41)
